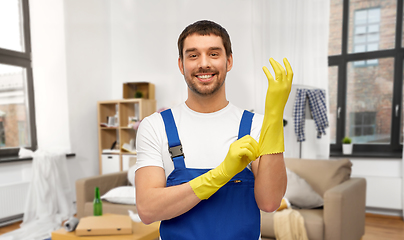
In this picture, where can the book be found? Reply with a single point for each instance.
(128, 148)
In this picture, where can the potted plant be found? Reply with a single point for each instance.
(347, 146)
(138, 94)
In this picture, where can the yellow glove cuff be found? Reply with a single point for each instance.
(207, 184)
(271, 138)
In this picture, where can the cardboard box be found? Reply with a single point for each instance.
(140, 232)
(130, 89)
(108, 224)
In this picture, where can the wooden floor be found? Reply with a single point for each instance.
(377, 227)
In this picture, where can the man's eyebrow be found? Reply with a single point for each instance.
(216, 48)
(190, 50)
(210, 49)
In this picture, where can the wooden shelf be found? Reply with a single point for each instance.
(124, 109)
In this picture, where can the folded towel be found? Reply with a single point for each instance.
(289, 225)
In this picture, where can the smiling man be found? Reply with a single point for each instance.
(200, 169)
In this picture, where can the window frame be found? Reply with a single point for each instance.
(395, 148)
(23, 59)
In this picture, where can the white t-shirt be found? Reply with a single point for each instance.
(205, 137)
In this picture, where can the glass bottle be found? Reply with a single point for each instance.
(97, 204)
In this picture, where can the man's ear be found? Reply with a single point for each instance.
(181, 65)
(230, 62)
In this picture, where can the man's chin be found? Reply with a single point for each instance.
(206, 90)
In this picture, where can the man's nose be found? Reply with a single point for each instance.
(204, 61)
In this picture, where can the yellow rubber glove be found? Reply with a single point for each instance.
(284, 204)
(240, 154)
(271, 138)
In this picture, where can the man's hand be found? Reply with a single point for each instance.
(240, 154)
(271, 138)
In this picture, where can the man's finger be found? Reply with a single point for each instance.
(282, 70)
(278, 72)
(288, 69)
(254, 144)
(267, 73)
(249, 154)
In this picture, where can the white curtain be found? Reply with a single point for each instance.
(297, 30)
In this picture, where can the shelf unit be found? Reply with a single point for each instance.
(121, 133)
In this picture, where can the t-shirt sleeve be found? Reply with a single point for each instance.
(149, 142)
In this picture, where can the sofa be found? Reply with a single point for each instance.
(341, 215)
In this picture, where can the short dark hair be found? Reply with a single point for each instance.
(205, 27)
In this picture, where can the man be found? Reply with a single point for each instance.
(200, 169)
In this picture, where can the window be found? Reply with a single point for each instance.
(363, 127)
(17, 116)
(366, 33)
(366, 78)
(366, 30)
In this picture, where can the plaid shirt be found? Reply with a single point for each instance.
(318, 109)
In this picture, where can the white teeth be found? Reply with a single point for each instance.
(205, 76)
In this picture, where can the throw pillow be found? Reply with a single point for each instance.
(121, 195)
(300, 193)
(321, 174)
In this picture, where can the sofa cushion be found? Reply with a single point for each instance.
(313, 221)
(321, 174)
(300, 193)
(267, 225)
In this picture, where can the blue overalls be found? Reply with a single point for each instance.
(231, 213)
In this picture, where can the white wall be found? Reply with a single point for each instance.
(49, 73)
(88, 67)
(384, 183)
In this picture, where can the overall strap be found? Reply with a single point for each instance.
(174, 143)
(245, 124)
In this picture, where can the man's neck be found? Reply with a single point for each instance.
(206, 104)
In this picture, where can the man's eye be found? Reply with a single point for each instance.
(214, 54)
(192, 56)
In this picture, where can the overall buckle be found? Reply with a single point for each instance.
(176, 151)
